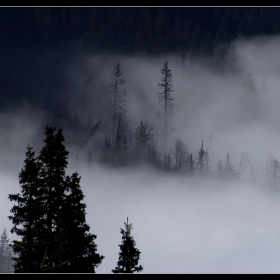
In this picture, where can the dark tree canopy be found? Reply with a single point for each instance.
(129, 255)
(49, 216)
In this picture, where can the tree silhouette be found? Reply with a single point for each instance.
(116, 99)
(167, 99)
(49, 215)
(129, 255)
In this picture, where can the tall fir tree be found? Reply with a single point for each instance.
(129, 255)
(116, 99)
(49, 215)
(26, 217)
(180, 154)
(273, 173)
(6, 262)
(167, 99)
(201, 162)
(229, 172)
(143, 143)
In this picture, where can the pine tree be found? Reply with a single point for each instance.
(168, 100)
(5, 254)
(120, 151)
(116, 99)
(207, 166)
(229, 172)
(167, 163)
(180, 154)
(49, 216)
(191, 166)
(144, 140)
(219, 173)
(129, 255)
(201, 162)
(26, 217)
(106, 155)
(273, 172)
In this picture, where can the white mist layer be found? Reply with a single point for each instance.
(179, 225)
(182, 225)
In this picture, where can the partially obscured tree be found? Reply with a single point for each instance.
(273, 173)
(229, 172)
(116, 99)
(143, 141)
(167, 99)
(6, 262)
(180, 154)
(167, 163)
(201, 162)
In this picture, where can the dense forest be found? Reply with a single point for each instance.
(37, 41)
(129, 30)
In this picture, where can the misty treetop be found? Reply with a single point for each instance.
(6, 254)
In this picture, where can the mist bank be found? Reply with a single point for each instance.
(228, 101)
(181, 224)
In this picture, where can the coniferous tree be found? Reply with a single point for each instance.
(207, 166)
(120, 150)
(26, 217)
(180, 154)
(144, 139)
(154, 156)
(129, 255)
(201, 162)
(167, 99)
(49, 215)
(229, 172)
(273, 172)
(106, 154)
(191, 166)
(5, 254)
(116, 99)
(167, 163)
(219, 170)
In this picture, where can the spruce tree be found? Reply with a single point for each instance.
(5, 254)
(167, 99)
(49, 215)
(26, 218)
(201, 162)
(116, 99)
(180, 154)
(229, 170)
(129, 255)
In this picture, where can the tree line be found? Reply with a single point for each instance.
(49, 219)
(48, 216)
(130, 30)
(125, 145)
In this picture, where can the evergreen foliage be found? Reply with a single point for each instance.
(201, 162)
(49, 216)
(273, 173)
(167, 99)
(6, 262)
(180, 154)
(116, 99)
(129, 255)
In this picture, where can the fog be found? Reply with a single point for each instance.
(180, 224)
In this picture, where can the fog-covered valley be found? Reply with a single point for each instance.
(181, 223)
